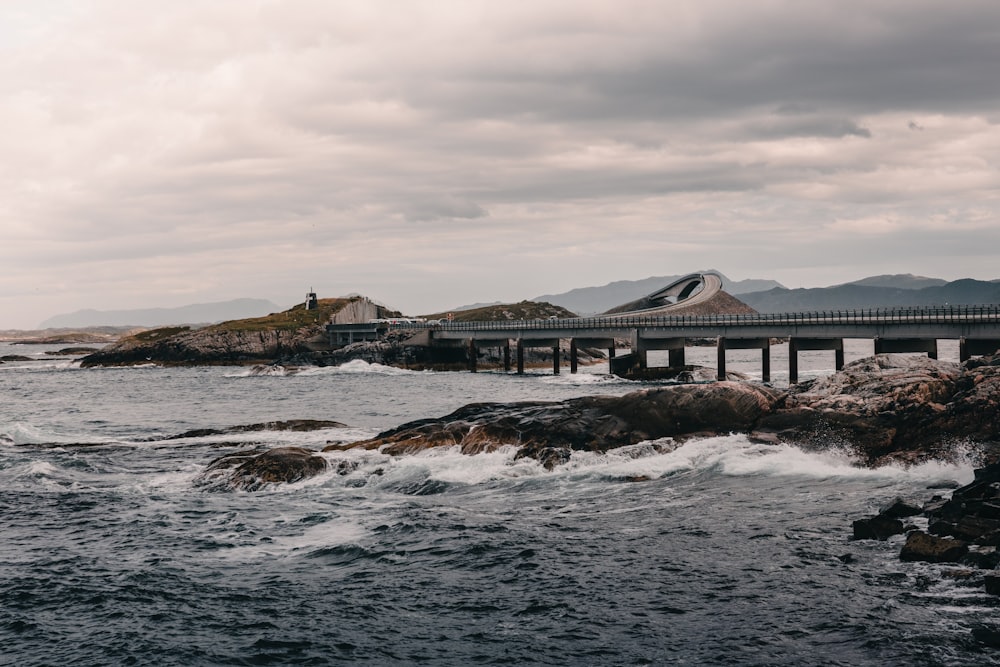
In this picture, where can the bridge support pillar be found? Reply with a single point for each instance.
(796, 345)
(506, 357)
(762, 344)
(969, 347)
(676, 357)
(473, 355)
(889, 345)
(555, 359)
(574, 360)
(639, 350)
(520, 356)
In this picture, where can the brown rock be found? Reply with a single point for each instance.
(252, 470)
(920, 546)
(877, 528)
(549, 432)
(888, 407)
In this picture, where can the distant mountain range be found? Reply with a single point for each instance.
(766, 296)
(770, 296)
(591, 300)
(201, 313)
(898, 280)
(862, 294)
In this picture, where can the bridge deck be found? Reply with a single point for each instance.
(894, 329)
(944, 322)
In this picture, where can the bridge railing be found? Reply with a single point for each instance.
(959, 314)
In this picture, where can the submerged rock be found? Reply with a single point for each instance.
(285, 425)
(877, 528)
(251, 470)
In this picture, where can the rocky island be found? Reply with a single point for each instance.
(298, 337)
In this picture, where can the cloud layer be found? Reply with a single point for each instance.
(436, 153)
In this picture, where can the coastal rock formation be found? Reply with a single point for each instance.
(251, 470)
(293, 332)
(549, 432)
(889, 405)
(973, 512)
(884, 408)
(923, 547)
(963, 529)
(296, 425)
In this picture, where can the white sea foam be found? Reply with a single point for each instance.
(736, 455)
(358, 367)
(37, 469)
(39, 366)
(21, 433)
(584, 379)
(332, 533)
(731, 455)
(264, 371)
(355, 367)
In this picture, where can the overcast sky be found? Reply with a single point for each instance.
(432, 154)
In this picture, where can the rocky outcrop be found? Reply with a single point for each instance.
(549, 432)
(932, 549)
(895, 407)
(295, 425)
(203, 346)
(888, 407)
(251, 470)
(973, 512)
(296, 331)
(887, 522)
(962, 530)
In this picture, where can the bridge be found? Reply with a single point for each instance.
(977, 328)
(668, 320)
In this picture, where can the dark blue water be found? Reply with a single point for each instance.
(730, 553)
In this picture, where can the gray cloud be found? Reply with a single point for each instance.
(441, 208)
(186, 150)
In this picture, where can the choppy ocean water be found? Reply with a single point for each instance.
(730, 552)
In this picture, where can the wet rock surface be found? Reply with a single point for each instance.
(297, 425)
(884, 408)
(549, 432)
(251, 470)
(963, 529)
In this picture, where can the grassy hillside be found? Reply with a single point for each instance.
(292, 319)
(525, 310)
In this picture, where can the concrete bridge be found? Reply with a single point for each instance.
(977, 328)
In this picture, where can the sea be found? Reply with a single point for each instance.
(721, 551)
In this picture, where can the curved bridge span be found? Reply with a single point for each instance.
(691, 290)
(977, 328)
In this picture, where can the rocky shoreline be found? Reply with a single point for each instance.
(883, 409)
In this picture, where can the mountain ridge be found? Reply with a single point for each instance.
(966, 291)
(199, 313)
